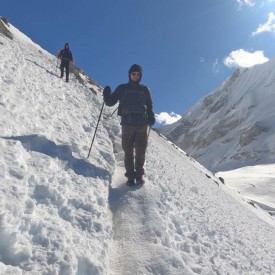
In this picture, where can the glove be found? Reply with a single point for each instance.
(151, 119)
(152, 122)
(107, 90)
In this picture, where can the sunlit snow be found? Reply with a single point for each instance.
(61, 213)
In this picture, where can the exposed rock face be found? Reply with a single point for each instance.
(251, 134)
(83, 78)
(233, 126)
(3, 27)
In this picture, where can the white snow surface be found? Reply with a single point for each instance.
(61, 213)
(256, 183)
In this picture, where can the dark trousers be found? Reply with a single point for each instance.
(134, 144)
(65, 64)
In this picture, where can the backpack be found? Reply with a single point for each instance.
(133, 102)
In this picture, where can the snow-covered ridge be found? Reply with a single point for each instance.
(61, 213)
(233, 126)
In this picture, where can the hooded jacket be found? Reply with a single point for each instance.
(136, 107)
(66, 54)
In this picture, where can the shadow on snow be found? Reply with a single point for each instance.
(52, 73)
(63, 152)
(117, 195)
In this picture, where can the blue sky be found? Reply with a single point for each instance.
(186, 48)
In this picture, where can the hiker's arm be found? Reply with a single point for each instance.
(110, 98)
(149, 104)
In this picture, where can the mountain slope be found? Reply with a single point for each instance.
(233, 126)
(54, 211)
(64, 214)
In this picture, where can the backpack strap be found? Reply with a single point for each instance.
(119, 109)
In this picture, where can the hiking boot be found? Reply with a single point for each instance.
(140, 180)
(130, 182)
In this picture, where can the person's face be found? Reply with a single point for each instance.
(135, 76)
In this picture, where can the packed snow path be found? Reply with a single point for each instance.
(168, 226)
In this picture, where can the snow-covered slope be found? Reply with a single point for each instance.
(233, 126)
(53, 202)
(61, 213)
(256, 183)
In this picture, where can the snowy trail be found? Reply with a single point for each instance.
(135, 246)
(165, 226)
(129, 235)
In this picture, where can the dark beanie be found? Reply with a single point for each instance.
(67, 44)
(135, 68)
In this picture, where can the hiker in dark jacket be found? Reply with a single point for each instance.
(66, 58)
(136, 111)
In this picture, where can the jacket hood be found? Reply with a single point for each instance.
(135, 68)
(66, 44)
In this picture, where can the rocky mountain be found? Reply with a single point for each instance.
(233, 126)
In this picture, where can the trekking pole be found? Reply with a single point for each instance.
(57, 57)
(113, 112)
(56, 64)
(96, 129)
(108, 116)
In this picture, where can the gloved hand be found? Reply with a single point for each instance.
(107, 90)
(152, 122)
(151, 119)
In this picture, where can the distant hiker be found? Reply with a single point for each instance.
(136, 111)
(66, 58)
